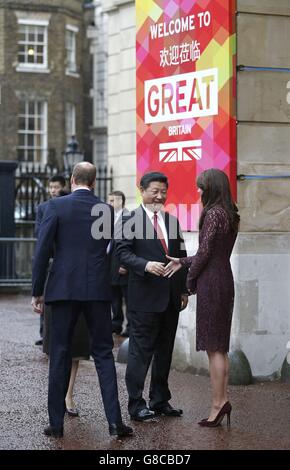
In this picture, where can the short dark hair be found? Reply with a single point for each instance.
(120, 194)
(84, 173)
(152, 177)
(58, 179)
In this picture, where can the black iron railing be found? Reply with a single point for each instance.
(31, 187)
(16, 261)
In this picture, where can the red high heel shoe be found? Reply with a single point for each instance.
(225, 410)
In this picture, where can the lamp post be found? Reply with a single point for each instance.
(72, 156)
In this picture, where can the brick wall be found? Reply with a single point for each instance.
(55, 87)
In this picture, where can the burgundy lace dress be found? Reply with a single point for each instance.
(210, 277)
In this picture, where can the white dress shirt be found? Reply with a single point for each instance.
(80, 187)
(160, 222)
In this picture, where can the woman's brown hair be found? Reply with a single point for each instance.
(216, 190)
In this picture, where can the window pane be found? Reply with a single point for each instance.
(30, 155)
(37, 155)
(38, 123)
(31, 124)
(31, 36)
(40, 35)
(30, 140)
(31, 108)
(37, 141)
(39, 108)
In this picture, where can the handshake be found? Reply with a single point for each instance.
(160, 269)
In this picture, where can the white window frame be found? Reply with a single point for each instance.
(70, 117)
(42, 133)
(29, 67)
(71, 70)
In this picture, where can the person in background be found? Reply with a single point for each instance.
(119, 274)
(210, 277)
(56, 185)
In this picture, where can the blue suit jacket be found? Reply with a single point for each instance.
(80, 268)
(39, 216)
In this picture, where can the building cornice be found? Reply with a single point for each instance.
(42, 7)
(116, 4)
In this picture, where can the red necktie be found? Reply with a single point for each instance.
(160, 235)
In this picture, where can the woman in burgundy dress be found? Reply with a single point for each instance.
(210, 277)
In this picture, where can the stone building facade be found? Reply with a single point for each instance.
(261, 261)
(98, 36)
(42, 79)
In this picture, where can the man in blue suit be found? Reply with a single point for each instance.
(79, 281)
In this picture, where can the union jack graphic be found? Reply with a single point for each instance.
(180, 151)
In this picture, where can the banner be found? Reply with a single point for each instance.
(186, 86)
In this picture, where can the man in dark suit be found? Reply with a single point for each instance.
(154, 301)
(56, 186)
(79, 281)
(119, 274)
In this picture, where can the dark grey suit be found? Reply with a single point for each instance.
(154, 304)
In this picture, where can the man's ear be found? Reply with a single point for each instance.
(72, 180)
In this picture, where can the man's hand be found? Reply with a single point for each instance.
(122, 271)
(155, 267)
(184, 301)
(37, 304)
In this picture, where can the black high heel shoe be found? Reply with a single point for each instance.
(225, 410)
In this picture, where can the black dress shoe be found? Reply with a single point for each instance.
(143, 415)
(120, 430)
(72, 412)
(167, 410)
(39, 342)
(53, 432)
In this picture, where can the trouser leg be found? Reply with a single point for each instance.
(63, 319)
(117, 310)
(98, 317)
(159, 389)
(143, 334)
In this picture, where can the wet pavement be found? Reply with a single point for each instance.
(260, 416)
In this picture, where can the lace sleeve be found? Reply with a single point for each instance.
(199, 261)
(186, 261)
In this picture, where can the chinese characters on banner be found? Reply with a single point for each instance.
(186, 95)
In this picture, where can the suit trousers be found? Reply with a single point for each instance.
(64, 316)
(119, 292)
(152, 335)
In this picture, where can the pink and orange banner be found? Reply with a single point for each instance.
(186, 86)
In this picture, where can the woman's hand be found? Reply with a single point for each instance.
(172, 267)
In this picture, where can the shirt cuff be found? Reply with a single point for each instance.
(146, 270)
